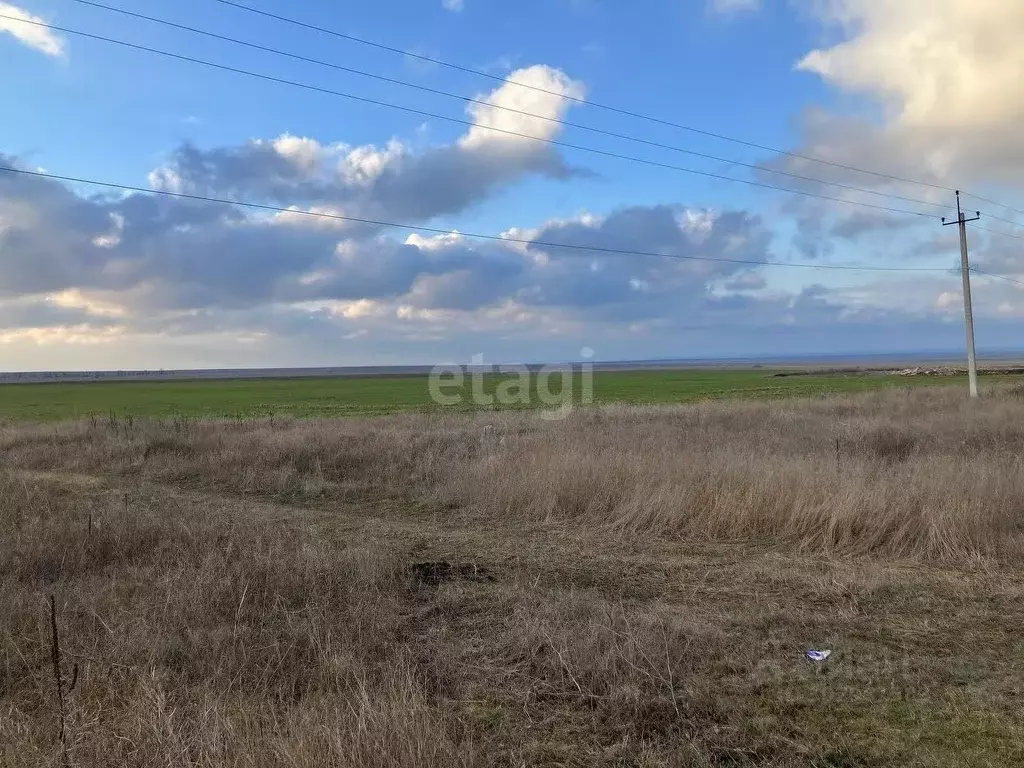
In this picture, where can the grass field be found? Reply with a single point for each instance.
(380, 395)
(631, 586)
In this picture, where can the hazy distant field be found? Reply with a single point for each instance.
(353, 396)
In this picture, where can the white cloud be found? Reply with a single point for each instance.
(453, 5)
(166, 179)
(363, 165)
(140, 257)
(324, 217)
(556, 94)
(39, 38)
(433, 242)
(306, 153)
(945, 75)
(732, 7)
(935, 63)
(393, 182)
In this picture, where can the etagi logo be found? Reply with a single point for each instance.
(557, 387)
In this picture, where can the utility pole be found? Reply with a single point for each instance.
(965, 274)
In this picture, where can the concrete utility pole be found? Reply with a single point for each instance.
(965, 274)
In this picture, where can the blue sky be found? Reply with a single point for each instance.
(94, 283)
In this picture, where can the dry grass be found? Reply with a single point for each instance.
(633, 586)
(205, 641)
(917, 473)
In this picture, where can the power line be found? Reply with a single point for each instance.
(1005, 221)
(433, 115)
(998, 205)
(1000, 232)
(597, 105)
(621, 111)
(438, 231)
(1001, 277)
(1004, 234)
(482, 102)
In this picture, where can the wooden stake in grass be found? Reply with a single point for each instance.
(58, 678)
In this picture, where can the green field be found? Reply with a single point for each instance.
(347, 396)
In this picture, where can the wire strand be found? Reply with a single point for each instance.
(1005, 221)
(1001, 277)
(434, 115)
(513, 110)
(597, 105)
(439, 231)
(617, 110)
(999, 232)
(998, 205)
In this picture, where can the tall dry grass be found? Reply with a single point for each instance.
(203, 640)
(214, 626)
(916, 473)
(212, 637)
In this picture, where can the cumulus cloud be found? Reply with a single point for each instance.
(944, 77)
(550, 95)
(119, 269)
(35, 37)
(158, 253)
(391, 182)
(144, 261)
(946, 64)
(932, 98)
(586, 279)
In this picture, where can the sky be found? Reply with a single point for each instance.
(361, 245)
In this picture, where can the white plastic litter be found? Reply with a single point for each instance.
(818, 655)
